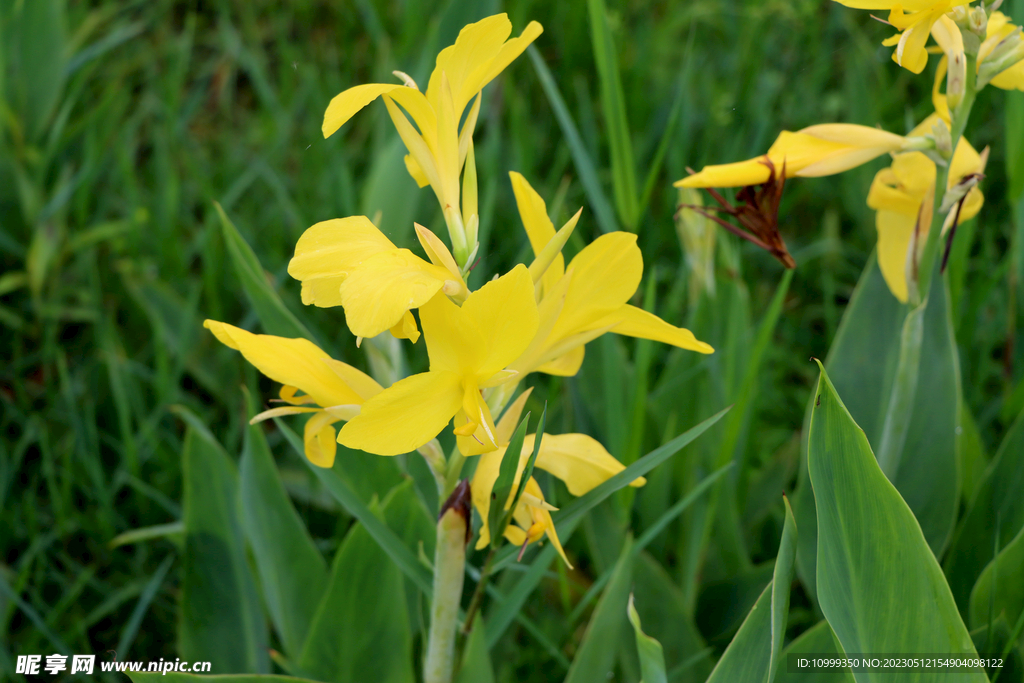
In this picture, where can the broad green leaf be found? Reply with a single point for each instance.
(173, 677)
(476, 661)
(994, 643)
(274, 316)
(997, 504)
(361, 631)
(293, 574)
(862, 363)
(498, 517)
(219, 616)
(817, 640)
(613, 105)
(748, 656)
(1000, 588)
(596, 656)
(971, 454)
(388, 540)
(781, 582)
(652, 658)
(878, 582)
(603, 213)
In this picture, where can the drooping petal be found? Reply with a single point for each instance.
(577, 459)
(406, 328)
(297, 362)
(385, 286)
(319, 440)
(894, 233)
(328, 251)
(343, 106)
(636, 322)
(406, 415)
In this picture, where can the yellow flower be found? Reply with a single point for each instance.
(903, 197)
(998, 30)
(438, 149)
(469, 347)
(577, 459)
(914, 19)
(815, 151)
(300, 365)
(349, 262)
(581, 303)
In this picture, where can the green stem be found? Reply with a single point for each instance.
(449, 572)
(904, 389)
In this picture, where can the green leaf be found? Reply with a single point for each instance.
(476, 663)
(819, 641)
(378, 530)
(781, 582)
(293, 574)
(1000, 588)
(361, 630)
(528, 470)
(652, 659)
(603, 213)
(173, 677)
(878, 582)
(219, 617)
(754, 653)
(596, 656)
(498, 517)
(173, 531)
(273, 314)
(995, 642)
(40, 31)
(613, 104)
(998, 504)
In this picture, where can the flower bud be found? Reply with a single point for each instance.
(943, 139)
(1006, 54)
(956, 79)
(977, 21)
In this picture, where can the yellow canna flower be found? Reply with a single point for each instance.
(820, 150)
(438, 148)
(577, 459)
(914, 20)
(469, 347)
(349, 262)
(903, 198)
(336, 388)
(1000, 33)
(581, 303)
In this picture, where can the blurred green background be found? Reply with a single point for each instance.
(121, 123)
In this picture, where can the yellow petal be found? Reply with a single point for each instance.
(415, 171)
(606, 274)
(539, 228)
(544, 518)
(378, 293)
(365, 386)
(1010, 79)
(636, 322)
(505, 313)
(736, 174)
(437, 252)
(406, 328)
(939, 100)
(298, 362)
(454, 343)
(476, 46)
(346, 104)
(319, 439)
(910, 51)
(894, 233)
(506, 55)
(912, 5)
(328, 251)
(577, 459)
(280, 412)
(972, 205)
(475, 410)
(406, 415)
(566, 365)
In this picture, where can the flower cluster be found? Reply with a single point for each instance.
(481, 343)
(979, 46)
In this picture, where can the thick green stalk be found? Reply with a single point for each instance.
(449, 572)
(904, 388)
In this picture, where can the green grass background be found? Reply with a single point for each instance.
(121, 123)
